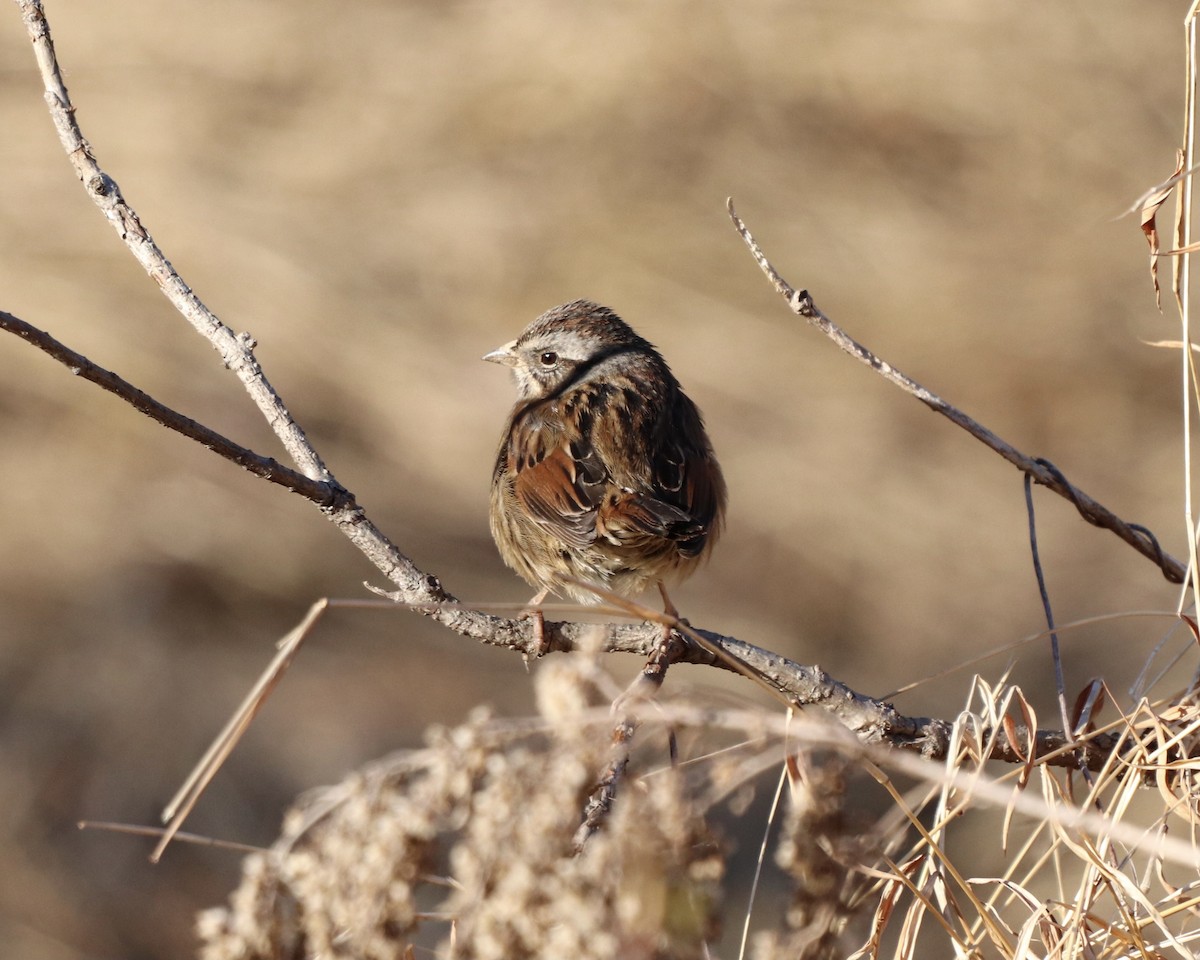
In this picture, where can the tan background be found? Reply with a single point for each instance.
(380, 193)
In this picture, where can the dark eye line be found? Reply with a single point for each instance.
(576, 372)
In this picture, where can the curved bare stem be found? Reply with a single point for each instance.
(1043, 472)
(236, 349)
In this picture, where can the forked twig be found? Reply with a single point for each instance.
(236, 349)
(1094, 512)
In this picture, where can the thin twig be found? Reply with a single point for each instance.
(768, 826)
(321, 493)
(1091, 510)
(1055, 654)
(601, 800)
(138, 830)
(627, 708)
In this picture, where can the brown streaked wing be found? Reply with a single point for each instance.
(560, 494)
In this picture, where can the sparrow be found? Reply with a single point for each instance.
(604, 475)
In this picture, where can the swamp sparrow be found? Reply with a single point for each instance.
(604, 475)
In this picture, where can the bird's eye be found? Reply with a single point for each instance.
(548, 359)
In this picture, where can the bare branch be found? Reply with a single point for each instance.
(236, 349)
(321, 493)
(1041, 470)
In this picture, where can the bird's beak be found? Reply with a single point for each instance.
(504, 355)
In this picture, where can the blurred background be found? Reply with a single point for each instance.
(381, 192)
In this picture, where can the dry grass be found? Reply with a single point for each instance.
(463, 847)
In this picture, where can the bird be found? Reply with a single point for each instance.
(605, 475)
